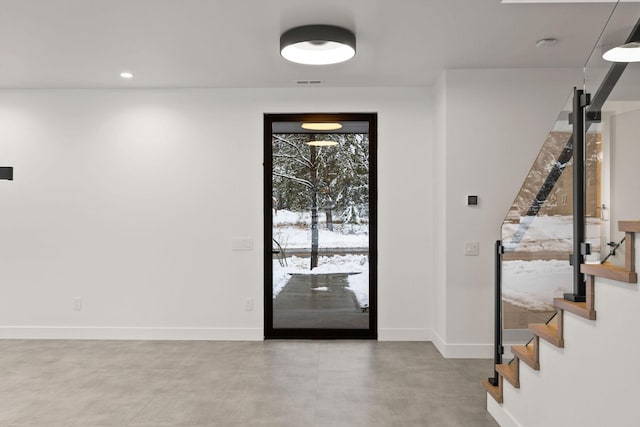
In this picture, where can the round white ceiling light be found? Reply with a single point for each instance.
(126, 75)
(629, 52)
(318, 45)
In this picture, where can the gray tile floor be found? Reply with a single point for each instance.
(272, 383)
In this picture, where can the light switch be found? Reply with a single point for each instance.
(471, 248)
(242, 244)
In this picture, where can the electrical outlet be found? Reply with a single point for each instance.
(242, 244)
(77, 304)
(248, 304)
(471, 248)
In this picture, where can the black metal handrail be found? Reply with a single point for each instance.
(575, 149)
(580, 249)
(585, 112)
(497, 333)
(613, 248)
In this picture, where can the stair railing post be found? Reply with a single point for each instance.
(580, 248)
(497, 333)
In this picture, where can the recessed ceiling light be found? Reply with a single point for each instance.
(322, 143)
(629, 52)
(318, 45)
(126, 75)
(549, 42)
(321, 126)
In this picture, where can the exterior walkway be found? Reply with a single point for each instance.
(318, 301)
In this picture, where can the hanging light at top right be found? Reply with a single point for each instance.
(629, 52)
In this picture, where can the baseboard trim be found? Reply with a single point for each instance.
(439, 343)
(404, 334)
(449, 351)
(462, 351)
(501, 415)
(128, 333)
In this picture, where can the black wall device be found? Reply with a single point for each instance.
(6, 172)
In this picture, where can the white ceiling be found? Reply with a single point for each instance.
(234, 43)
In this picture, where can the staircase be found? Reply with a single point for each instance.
(553, 333)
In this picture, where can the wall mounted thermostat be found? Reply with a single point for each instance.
(6, 172)
(472, 200)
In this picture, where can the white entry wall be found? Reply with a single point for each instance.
(491, 125)
(624, 152)
(129, 200)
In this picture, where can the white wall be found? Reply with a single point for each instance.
(129, 199)
(593, 381)
(496, 122)
(625, 188)
(440, 211)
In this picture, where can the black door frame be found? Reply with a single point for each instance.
(311, 333)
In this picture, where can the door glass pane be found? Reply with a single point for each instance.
(320, 226)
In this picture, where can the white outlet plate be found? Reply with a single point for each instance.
(471, 248)
(77, 304)
(248, 304)
(242, 244)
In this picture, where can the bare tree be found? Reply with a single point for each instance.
(334, 177)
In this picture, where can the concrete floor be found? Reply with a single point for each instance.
(273, 383)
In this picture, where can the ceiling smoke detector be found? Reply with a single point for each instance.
(550, 42)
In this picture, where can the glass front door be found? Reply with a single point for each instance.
(320, 223)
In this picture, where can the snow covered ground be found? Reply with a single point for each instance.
(534, 284)
(528, 284)
(291, 237)
(358, 264)
(359, 284)
(293, 230)
(547, 233)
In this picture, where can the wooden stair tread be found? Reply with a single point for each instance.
(548, 332)
(509, 372)
(629, 226)
(494, 391)
(579, 308)
(610, 271)
(527, 354)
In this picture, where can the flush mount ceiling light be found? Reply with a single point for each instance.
(318, 45)
(629, 52)
(126, 75)
(324, 143)
(321, 126)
